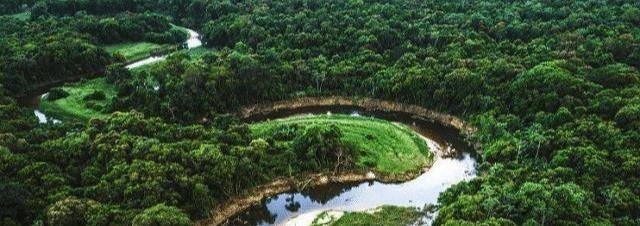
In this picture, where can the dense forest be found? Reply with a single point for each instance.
(47, 50)
(553, 88)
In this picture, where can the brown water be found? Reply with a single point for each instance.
(291, 208)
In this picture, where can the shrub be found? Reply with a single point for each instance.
(56, 93)
(161, 215)
(96, 95)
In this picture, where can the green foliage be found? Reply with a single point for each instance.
(386, 147)
(70, 211)
(552, 87)
(43, 52)
(96, 95)
(86, 100)
(135, 51)
(385, 215)
(161, 215)
(125, 27)
(56, 93)
(14, 6)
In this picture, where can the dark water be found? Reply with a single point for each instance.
(300, 208)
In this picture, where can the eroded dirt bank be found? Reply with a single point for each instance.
(368, 104)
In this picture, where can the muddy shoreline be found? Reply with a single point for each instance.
(260, 112)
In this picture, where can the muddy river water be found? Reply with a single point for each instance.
(300, 208)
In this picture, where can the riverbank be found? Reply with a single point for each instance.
(260, 111)
(137, 51)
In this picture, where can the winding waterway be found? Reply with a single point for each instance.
(33, 101)
(300, 208)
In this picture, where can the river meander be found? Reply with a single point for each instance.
(301, 207)
(33, 100)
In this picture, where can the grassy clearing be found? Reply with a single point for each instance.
(75, 106)
(383, 216)
(134, 51)
(382, 145)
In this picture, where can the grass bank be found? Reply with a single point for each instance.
(383, 216)
(76, 105)
(384, 146)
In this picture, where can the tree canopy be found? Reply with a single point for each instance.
(552, 87)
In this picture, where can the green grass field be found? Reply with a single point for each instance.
(135, 50)
(385, 146)
(74, 106)
(383, 216)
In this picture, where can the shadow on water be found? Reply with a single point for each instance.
(425, 189)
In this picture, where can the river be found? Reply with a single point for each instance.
(33, 101)
(301, 208)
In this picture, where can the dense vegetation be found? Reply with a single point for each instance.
(110, 170)
(15, 6)
(44, 50)
(552, 86)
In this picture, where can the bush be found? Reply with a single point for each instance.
(94, 106)
(69, 211)
(56, 94)
(161, 215)
(96, 95)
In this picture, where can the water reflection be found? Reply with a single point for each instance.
(418, 192)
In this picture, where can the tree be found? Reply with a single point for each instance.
(70, 211)
(161, 215)
(319, 143)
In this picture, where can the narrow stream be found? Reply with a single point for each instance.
(193, 42)
(300, 208)
(33, 101)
